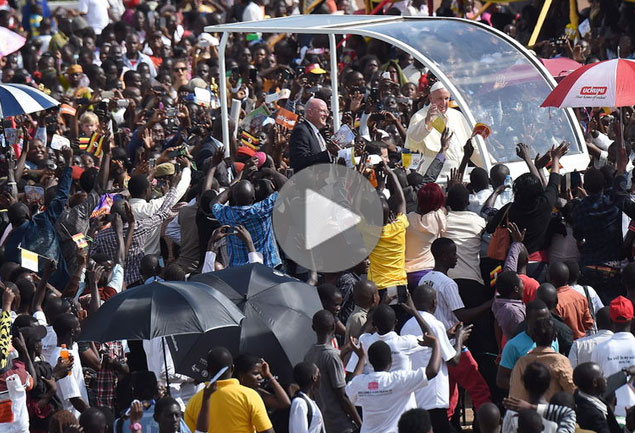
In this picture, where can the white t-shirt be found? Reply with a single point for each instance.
(49, 342)
(448, 298)
(465, 228)
(582, 348)
(384, 396)
(437, 394)
(298, 416)
(73, 385)
(613, 355)
(252, 12)
(478, 200)
(401, 348)
(96, 13)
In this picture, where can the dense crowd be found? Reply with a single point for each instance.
(513, 295)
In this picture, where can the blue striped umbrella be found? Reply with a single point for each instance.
(16, 99)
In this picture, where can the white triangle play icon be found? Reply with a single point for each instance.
(325, 219)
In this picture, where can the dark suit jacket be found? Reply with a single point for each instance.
(304, 148)
(590, 418)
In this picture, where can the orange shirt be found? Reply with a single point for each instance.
(558, 365)
(574, 310)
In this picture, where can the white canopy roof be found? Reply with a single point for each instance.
(493, 78)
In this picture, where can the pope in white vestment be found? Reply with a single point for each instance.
(424, 138)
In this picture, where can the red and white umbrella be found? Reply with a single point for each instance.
(560, 67)
(610, 83)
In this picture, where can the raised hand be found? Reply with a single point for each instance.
(522, 150)
(446, 137)
(428, 340)
(357, 347)
(516, 234)
(516, 404)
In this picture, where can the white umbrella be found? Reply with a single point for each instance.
(16, 99)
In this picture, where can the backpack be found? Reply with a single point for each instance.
(280, 418)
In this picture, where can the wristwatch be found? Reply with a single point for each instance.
(135, 427)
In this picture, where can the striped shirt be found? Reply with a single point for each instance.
(448, 298)
(106, 241)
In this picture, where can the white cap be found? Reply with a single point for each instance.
(437, 86)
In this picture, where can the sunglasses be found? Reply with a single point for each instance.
(180, 69)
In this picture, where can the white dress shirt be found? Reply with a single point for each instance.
(298, 416)
(142, 209)
(319, 136)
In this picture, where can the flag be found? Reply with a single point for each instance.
(29, 260)
(80, 240)
(67, 109)
(493, 275)
(92, 144)
(249, 140)
(286, 118)
(410, 160)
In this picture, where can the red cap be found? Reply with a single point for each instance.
(246, 151)
(239, 166)
(77, 172)
(621, 310)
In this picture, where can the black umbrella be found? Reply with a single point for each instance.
(277, 326)
(159, 309)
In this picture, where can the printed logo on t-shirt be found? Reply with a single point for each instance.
(373, 385)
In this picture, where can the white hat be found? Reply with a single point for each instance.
(437, 86)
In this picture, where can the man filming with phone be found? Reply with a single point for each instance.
(256, 217)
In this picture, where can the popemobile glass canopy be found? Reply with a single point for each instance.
(493, 78)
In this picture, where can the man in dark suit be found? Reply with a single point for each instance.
(593, 412)
(306, 145)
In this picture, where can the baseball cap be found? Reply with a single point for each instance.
(262, 158)
(314, 68)
(244, 150)
(621, 310)
(77, 172)
(165, 169)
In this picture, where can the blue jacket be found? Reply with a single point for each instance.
(39, 235)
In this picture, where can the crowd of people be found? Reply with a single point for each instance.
(514, 295)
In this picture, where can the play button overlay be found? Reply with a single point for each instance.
(315, 200)
(327, 218)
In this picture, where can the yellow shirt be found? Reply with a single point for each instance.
(233, 409)
(388, 259)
